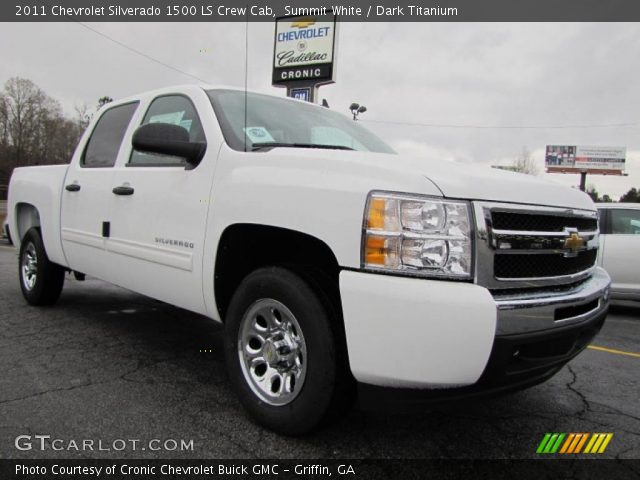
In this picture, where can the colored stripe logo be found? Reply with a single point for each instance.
(564, 443)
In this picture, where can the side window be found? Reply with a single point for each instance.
(176, 110)
(625, 221)
(104, 143)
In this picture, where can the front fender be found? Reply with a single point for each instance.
(319, 193)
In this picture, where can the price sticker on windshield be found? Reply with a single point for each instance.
(258, 134)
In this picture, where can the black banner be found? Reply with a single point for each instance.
(312, 468)
(346, 10)
(312, 73)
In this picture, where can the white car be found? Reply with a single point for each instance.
(620, 248)
(330, 259)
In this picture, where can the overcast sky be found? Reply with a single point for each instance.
(500, 74)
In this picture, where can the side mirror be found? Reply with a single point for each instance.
(168, 139)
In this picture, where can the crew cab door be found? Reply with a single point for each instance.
(621, 250)
(87, 191)
(158, 211)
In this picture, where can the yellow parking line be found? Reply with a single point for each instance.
(611, 350)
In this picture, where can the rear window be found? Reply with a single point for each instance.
(104, 144)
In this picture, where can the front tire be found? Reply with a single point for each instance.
(41, 280)
(285, 356)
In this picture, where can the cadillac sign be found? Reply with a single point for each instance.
(304, 50)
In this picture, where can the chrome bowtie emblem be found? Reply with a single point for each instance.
(574, 242)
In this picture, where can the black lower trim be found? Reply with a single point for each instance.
(516, 362)
(8, 232)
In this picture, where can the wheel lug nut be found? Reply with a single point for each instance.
(284, 350)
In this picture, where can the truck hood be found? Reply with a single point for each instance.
(452, 179)
(480, 182)
(477, 182)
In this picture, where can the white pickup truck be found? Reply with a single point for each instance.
(336, 266)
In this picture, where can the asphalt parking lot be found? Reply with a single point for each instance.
(105, 363)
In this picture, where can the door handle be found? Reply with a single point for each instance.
(123, 190)
(72, 187)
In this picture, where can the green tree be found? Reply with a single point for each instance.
(632, 196)
(593, 193)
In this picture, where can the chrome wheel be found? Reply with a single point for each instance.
(29, 266)
(272, 352)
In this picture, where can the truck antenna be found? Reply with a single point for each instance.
(246, 71)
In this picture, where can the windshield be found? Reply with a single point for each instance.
(282, 122)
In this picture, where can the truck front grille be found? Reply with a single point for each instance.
(522, 265)
(521, 246)
(542, 223)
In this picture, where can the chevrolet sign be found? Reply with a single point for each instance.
(304, 50)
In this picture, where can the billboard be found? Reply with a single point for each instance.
(304, 50)
(590, 159)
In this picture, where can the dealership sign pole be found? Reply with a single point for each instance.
(304, 54)
(580, 159)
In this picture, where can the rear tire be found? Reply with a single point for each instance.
(41, 280)
(285, 357)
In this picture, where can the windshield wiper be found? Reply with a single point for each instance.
(261, 145)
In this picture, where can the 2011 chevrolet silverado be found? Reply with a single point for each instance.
(336, 266)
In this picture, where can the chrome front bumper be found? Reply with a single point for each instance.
(538, 311)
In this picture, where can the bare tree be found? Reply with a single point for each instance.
(33, 128)
(83, 115)
(4, 121)
(29, 120)
(525, 163)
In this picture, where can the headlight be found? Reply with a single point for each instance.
(418, 235)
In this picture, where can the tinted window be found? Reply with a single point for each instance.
(103, 146)
(248, 119)
(175, 110)
(625, 221)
